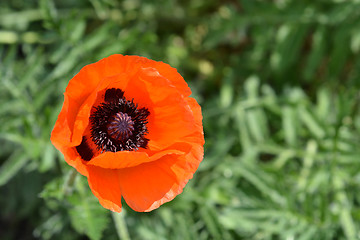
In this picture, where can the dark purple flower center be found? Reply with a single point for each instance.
(119, 124)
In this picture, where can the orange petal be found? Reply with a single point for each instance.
(61, 139)
(104, 183)
(66, 134)
(170, 117)
(198, 135)
(87, 81)
(147, 186)
(172, 75)
(73, 159)
(61, 134)
(125, 159)
(82, 118)
(135, 62)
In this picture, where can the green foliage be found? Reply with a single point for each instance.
(12, 165)
(87, 216)
(299, 183)
(278, 82)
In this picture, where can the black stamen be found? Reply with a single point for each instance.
(118, 124)
(113, 94)
(84, 150)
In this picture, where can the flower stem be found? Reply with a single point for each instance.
(69, 183)
(120, 225)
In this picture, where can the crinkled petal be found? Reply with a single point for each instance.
(147, 186)
(60, 138)
(105, 185)
(66, 136)
(176, 79)
(83, 115)
(170, 118)
(125, 159)
(134, 63)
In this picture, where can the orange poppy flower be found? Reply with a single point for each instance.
(129, 125)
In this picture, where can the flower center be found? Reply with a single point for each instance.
(118, 124)
(121, 126)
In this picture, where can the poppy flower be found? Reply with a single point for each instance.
(128, 125)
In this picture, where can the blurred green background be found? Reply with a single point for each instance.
(278, 82)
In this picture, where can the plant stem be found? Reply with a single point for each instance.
(120, 225)
(69, 184)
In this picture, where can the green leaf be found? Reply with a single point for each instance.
(311, 122)
(210, 221)
(12, 166)
(87, 215)
(290, 125)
